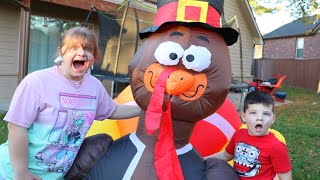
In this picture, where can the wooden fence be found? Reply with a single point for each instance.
(300, 73)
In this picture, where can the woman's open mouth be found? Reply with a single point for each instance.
(78, 65)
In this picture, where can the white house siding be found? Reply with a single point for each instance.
(9, 32)
(249, 37)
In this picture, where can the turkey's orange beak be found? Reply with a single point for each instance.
(180, 83)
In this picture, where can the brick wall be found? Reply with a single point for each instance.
(312, 47)
(285, 48)
(282, 48)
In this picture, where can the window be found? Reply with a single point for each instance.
(45, 35)
(299, 48)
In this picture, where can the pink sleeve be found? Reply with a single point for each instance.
(106, 106)
(25, 102)
(280, 158)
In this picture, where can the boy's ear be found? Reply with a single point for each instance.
(274, 118)
(243, 117)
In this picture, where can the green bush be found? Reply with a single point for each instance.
(3, 129)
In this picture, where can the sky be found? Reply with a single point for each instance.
(269, 22)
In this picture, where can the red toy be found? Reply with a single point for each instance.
(268, 87)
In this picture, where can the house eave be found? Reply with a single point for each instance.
(289, 36)
(316, 29)
(18, 3)
(258, 40)
(310, 33)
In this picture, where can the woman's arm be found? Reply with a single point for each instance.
(125, 111)
(18, 150)
(221, 155)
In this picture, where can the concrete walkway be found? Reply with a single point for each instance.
(237, 100)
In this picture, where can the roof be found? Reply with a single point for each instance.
(297, 27)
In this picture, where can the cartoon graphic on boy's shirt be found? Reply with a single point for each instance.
(246, 160)
(64, 140)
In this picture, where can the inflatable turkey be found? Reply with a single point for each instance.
(180, 75)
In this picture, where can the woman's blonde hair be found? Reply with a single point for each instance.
(80, 36)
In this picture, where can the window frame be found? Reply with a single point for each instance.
(299, 42)
(33, 64)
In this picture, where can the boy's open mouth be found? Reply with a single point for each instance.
(258, 127)
(78, 64)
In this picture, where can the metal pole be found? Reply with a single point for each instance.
(118, 48)
(88, 16)
(241, 58)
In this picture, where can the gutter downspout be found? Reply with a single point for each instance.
(240, 50)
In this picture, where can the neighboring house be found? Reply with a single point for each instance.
(296, 40)
(30, 32)
(292, 50)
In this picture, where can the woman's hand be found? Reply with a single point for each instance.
(26, 176)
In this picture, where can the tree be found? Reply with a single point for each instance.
(298, 8)
(303, 8)
(259, 9)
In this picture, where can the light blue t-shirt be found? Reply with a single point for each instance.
(57, 116)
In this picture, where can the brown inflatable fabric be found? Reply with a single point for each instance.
(92, 149)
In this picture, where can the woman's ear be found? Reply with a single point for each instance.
(59, 58)
(59, 51)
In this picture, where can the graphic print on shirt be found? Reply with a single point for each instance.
(246, 161)
(66, 136)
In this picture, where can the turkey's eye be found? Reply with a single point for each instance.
(196, 58)
(168, 53)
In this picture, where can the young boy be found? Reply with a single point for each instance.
(256, 152)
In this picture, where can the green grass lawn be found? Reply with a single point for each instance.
(3, 129)
(298, 121)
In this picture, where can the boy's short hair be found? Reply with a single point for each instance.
(258, 97)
